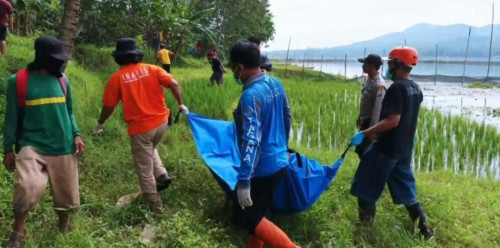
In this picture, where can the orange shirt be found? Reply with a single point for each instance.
(138, 86)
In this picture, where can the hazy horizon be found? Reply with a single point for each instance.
(322, 23)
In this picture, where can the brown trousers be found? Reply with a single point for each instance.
(33, 173)
(148, 165)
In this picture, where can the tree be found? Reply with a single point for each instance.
(26, 12)
(179, 21)
(237, 19)
(69, 27)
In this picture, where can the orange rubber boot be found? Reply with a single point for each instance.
(254, 242)
(273, 235)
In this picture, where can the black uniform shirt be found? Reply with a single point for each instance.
(402, 98)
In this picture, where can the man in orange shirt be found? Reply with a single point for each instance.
(139, 87)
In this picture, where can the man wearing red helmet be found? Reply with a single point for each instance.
(387, 160)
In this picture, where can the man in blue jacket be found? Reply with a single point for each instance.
(262, 121)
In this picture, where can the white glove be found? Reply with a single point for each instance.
(244, 198)
(184, 109)
(99, 128)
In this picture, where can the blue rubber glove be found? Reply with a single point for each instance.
(357, 139)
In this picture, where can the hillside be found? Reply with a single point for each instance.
(464, 211)
(452, 40)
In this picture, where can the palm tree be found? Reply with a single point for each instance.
(69, 27)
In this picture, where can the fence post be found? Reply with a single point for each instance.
(466, 54)
(345, 67)
(491, 41)
(461, 105)
(287, 53)
(484, 110)
(435, 72)
(383, 54)
(321, 66)
(303, 64)
(362, 71)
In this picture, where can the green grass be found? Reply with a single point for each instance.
(464, 211)
(480, 85)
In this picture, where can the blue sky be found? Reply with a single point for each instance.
(329, 23)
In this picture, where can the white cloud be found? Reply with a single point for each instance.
(328, 23)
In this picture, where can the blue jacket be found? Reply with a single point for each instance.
(262, 121)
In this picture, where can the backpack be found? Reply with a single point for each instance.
(22, 86)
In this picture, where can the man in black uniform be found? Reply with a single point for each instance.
(217, 70)
(388, 159)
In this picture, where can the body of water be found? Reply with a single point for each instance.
(447, 97)
(473, 70)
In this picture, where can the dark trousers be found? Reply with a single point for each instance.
(376, 169)
(360, 149)
(217, 77)
(262, 193)
(3, 33)
(166, 67)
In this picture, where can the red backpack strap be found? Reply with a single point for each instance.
(63, 82)
(22, 87)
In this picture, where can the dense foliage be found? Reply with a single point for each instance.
(179, 23)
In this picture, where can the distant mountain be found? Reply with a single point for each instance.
(451, 40)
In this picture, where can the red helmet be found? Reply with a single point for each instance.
(407, 55)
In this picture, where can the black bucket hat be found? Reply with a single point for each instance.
(126, 46)
(50, 46)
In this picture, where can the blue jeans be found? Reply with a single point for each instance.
(376, 169)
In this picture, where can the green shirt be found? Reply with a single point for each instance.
(46, 123)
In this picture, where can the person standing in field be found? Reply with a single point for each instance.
(139, 87)
(262, 119)
(215, 53)
(217, 70)
(164, 57)
(387, 160)
(40, 126)
(265, 63)
(6, 16)
(372, 94)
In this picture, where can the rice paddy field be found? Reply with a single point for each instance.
(325, 115)
(456, 162)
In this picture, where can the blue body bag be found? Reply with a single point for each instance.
(305, 180)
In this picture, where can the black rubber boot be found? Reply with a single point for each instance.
(366, 212)
(162, 182)
(416, 212)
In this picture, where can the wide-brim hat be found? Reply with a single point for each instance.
(52, 47)
(126, 46)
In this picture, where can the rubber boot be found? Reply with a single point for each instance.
(270, 234)
(416, 212)
(63, 221)
(254, 242)
(153, 200)
(367, 212)
(162, 182)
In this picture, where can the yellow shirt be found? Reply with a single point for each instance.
(164, 56)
